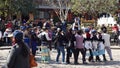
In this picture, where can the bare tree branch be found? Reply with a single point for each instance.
(61, 8)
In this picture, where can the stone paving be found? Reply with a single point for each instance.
(109, 64)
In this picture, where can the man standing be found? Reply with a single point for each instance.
(70, 35)
(79, 47)
(106, 38)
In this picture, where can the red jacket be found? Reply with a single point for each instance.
(115, 28)
(9, 25)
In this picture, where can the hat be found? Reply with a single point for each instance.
(99, 30)
(8, 29)
(18, 35)
(87, 29)
(58, 29)
(93, 31)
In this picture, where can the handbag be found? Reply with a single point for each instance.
(32, 61)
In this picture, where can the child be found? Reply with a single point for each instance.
(101, 45)
(88, 43)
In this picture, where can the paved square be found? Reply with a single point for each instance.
(109, 64)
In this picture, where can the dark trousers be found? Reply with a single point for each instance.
(50, 45)
(1, 43)
(7, 41)
(91, 55)
(70, 50)
(97, 58)
(77, 54)
(104, 57)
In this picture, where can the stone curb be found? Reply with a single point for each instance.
(9, 47)
(5, 47)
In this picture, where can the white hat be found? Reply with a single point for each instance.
(8, 29)
(99, 30)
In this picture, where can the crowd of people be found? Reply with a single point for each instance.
(27, 36)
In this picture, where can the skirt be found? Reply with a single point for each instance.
(45, 54)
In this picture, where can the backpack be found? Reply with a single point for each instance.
(43, 38)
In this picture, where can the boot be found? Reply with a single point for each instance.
(104, 58)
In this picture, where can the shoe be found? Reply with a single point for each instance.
(67, 62)
(63, 62)
(84, 62)
(57, 62)
(47, 62)
(91, 61)
(105, 60)
(111, 59)
(76, 63)
(98, 60)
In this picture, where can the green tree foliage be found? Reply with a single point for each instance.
(3, 7)
(94, 6)
(15, 6)
(25, 6)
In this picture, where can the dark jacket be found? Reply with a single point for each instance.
(71, 38)
(94, 38)
(16, 59)
(61, 39)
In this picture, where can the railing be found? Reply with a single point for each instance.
(49, 7)
(44, 7)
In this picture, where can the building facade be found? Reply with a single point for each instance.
(45, 10)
